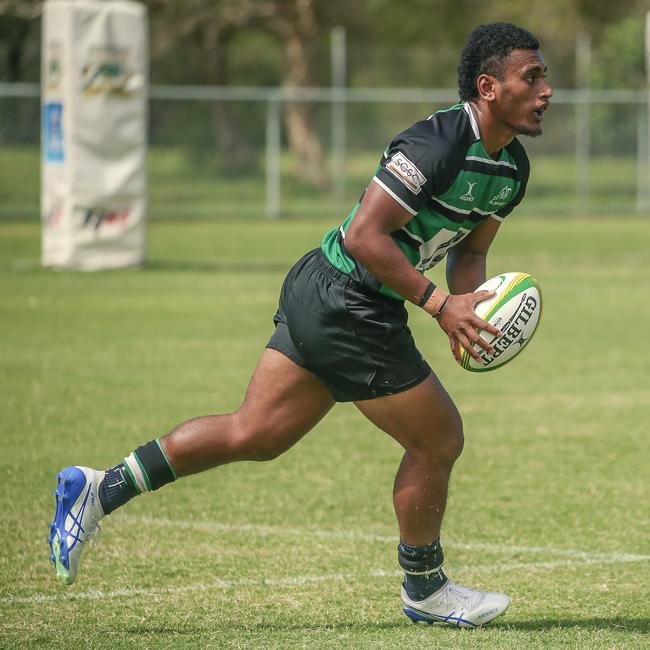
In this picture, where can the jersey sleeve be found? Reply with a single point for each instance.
(520, 157)
(418, 164)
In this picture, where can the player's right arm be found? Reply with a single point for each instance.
(369, 241)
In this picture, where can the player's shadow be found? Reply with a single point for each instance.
(618, 623)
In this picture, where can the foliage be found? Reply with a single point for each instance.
(390, 43)
(619, 59)
(619, 63)
(287, 42)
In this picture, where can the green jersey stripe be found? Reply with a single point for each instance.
(440, 172)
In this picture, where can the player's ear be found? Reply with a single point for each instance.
(485, 85)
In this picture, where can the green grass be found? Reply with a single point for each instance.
(181, 186)
(549, 501)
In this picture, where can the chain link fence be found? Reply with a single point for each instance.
(222, 152)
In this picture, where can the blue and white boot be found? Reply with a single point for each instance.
(456, 605)
(76, 519)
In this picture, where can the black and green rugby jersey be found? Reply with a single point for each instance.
(438, 170)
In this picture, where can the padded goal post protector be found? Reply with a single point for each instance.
(94, 133)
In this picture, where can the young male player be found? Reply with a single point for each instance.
(442, 188)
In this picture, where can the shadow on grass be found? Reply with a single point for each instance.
(226, 266)
(619, 623)
(271, 628)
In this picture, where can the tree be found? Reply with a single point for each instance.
(16, 20)
(208, 30)
(295, 23)
(17, 34)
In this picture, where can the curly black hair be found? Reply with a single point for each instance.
(485, 51)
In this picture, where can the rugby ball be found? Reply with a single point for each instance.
(515, 311)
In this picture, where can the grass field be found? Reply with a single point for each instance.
(549, 501)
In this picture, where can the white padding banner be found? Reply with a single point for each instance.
(94, 133)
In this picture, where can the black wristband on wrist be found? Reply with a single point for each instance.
(427, 294)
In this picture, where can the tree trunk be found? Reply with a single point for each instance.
(298, 32)
(15, 32)
(237, 153)
(227, 124)
(301, 129)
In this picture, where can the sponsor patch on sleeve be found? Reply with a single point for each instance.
(406, 172)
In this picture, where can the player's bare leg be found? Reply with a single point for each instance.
(283, 402)
(425, 421)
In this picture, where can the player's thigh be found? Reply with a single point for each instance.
(283, 402)
(422, 419)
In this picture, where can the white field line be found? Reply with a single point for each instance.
(220, 584)
(573, 558)
(263, 529)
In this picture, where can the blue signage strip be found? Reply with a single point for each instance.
(53, 143)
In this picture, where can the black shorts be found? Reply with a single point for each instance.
(357, 343)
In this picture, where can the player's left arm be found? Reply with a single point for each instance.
(466, 262)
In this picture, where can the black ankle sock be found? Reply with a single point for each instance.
(149, 467)
(422, 565)
(145, 469)
(116, 489)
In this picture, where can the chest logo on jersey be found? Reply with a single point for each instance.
(468, 195)
(406, 172)
(502, 197)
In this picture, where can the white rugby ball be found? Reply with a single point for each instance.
(515, 311)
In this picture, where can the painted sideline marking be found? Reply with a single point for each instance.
(572, 557)
(218, 583)
(264, 529)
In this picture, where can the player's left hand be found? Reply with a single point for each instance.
(461, 324)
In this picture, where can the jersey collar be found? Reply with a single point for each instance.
(472, 120)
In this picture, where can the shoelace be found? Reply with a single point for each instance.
(453, 593)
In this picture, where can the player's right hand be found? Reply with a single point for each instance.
(461, 324)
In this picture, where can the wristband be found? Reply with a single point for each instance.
(436, 302)
(442, 307)
(427, 294)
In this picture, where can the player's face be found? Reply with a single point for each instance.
(523, 94)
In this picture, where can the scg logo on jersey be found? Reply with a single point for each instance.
(406, 172)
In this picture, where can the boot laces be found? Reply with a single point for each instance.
(455, 595)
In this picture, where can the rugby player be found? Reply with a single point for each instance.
(442, 188)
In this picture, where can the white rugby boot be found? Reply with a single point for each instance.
(76, 519)
(457, 606)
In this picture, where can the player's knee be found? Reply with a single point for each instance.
(455, 443)
(446, 440)
(454, 438)
(449, 441)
